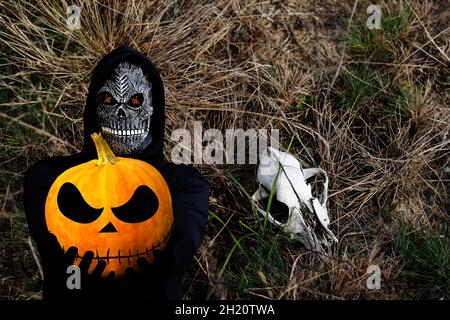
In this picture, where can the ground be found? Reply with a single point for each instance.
(370, 107)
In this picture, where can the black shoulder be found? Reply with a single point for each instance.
(48, 167)
(184, 176)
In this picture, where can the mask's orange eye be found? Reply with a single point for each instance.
(106, 99)
(136, 100)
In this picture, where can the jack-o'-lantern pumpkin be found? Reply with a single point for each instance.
(118, 208)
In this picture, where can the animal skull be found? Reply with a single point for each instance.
(285, 173)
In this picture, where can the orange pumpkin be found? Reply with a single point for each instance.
(118, 208)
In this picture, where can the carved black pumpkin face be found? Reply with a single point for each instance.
(119, 210)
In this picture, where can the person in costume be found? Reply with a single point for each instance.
(125, 104)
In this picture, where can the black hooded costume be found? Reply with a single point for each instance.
(188, 189)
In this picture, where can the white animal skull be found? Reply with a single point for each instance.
(285, 173)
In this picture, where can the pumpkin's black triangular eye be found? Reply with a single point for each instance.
(74, 207)
(142, 206)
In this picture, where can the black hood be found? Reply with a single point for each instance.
(154, 152)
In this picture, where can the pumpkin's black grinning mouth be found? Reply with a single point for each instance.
(127, 257)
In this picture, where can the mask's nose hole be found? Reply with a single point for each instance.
(120, 113)
(108, 228)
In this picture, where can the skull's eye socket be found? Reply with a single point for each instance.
(106, 99)
(74, 207)
(142, 206)
(136, 100)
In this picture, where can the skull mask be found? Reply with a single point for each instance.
(125, 109)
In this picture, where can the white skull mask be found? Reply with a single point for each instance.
(125, 108)
(285, 173)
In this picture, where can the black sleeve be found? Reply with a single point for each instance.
(190, 194)
(37, 182)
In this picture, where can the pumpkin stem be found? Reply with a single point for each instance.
(104, 152)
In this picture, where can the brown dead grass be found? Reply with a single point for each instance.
(246, 64)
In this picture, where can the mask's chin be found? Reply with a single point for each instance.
(127, 139)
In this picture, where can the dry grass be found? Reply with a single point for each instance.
(381, 129)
